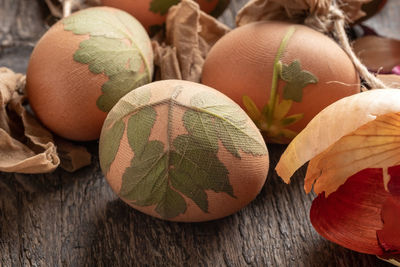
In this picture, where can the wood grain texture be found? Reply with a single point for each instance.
(64, 219)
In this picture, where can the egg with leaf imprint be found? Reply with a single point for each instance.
(282, 74)
(83, 65)
(152, 13)
(182, 151)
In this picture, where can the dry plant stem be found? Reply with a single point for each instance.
(67, 7)
(373, 82)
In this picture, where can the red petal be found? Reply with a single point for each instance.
(351, 216)
(389, 236)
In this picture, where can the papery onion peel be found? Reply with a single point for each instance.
(354, 150)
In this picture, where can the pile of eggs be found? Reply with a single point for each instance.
(179, 150)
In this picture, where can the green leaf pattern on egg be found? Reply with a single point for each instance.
(115, 48)
(273, 120)
(160, 174)
(296, 79)
(115, 129)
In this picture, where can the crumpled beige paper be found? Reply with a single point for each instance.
(190, 34)
(25, 145)
(299, 11)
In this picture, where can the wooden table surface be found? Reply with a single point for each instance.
(63, 219)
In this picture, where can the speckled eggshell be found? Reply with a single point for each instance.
(149, 15)
(126, 152)
(241, 63)
(64, 92)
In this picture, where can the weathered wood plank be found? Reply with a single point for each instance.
(64, 219)
(21, 21)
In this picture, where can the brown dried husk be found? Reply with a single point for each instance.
(317, 14)
(190, 34)
(25, 145)
(327, 16)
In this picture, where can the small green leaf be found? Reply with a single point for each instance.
(142, 181)
(110, 147)
(296, 79)
(119, 85)
(282, 108)
(171, 205)
(139, 129)
(162, 6)
(203, 164)
(132, 101)
(198, 126)
(251, 108)
(230, 123)
(290, 120)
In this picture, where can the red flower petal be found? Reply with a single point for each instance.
(351, 216)
(389, 236)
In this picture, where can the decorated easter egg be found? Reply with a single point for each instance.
(182, 151)
(83, 65)
(282, 74)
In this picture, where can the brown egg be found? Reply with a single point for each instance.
(182, 151)
(82, 66)
(315, 73)
(152, 13)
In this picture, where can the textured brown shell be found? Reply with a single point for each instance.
(241, 63)
(63, 92)
(247, 175)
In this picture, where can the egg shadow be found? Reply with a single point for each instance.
(122, 233)
(151, 241)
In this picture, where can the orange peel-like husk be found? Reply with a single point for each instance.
(354, 148)
(335, 124)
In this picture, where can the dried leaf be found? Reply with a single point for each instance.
(330, 125)
(378, 54)
(25, 145)
(190, 35)
(72, 157)
(309, 12)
